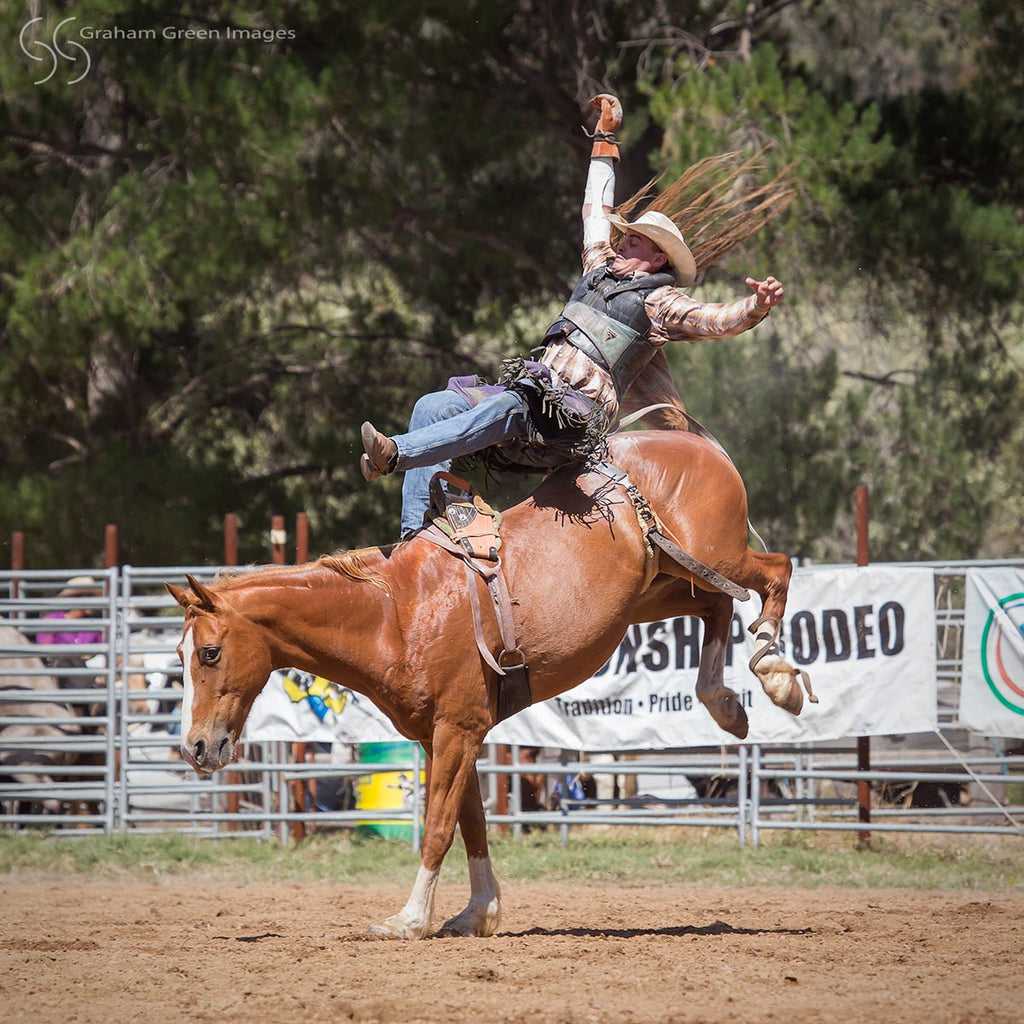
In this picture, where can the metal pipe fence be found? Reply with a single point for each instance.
(89, 745)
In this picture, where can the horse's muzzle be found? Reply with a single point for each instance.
(208, 755)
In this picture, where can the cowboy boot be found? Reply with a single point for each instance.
(381, 453)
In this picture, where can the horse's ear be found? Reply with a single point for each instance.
(206, 596)
(183, 597)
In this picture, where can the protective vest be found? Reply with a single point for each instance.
(605, 318)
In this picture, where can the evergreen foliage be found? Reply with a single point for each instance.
(246, 229)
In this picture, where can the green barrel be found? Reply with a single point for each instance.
(386, 791)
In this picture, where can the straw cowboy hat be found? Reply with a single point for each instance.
(81, 586)
(667, 237)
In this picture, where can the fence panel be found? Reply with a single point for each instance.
(57, 707)
(89, 735)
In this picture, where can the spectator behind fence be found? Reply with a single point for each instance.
(79, 586)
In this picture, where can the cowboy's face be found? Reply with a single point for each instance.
(636, 253)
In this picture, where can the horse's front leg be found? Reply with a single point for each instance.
(483, 913)
(453, 762)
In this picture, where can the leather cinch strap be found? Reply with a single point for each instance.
(654, 531)
(696, 427)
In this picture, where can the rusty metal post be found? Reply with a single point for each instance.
(301, 792)
(300, 788)
(863, 742)
(278, 539)
(301, 538)
(110, 545)
(115, 752)
(17, 560)
(230, 539)
(503, 755)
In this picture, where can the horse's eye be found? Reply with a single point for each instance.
(209, 655)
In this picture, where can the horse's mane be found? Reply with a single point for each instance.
(352, 564)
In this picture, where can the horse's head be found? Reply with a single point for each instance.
(225, 663)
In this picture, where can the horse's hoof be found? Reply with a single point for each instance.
(779, 681)
(395, 928)
(452, 931)
(794, 700)
(738, 725)
(472, 924)
(729, 714)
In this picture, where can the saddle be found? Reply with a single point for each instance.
(464, 517)
(466, 526)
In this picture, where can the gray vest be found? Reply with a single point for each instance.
(605, 318)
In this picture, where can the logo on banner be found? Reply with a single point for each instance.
(321, 694)
(1001, 663)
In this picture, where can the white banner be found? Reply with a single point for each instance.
(992, 681)
(866, 636)
(299, 707)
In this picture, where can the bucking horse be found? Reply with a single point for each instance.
(396, 623)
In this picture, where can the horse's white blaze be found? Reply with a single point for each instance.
(187, 647)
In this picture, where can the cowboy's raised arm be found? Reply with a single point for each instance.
(599, 194)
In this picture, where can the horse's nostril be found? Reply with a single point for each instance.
(225, 752)
(199, 751)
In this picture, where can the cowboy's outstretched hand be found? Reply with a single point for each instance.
(767, 293)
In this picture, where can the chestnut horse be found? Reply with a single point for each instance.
(395, 623)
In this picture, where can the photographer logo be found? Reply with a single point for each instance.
(55, 55)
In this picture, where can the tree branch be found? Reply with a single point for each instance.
(884, 380)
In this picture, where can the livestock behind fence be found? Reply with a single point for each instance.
(91, 707)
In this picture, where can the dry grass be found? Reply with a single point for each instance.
(670, 856)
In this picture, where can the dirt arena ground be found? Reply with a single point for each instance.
(97, 952)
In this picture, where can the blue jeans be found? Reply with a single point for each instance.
(443, 426)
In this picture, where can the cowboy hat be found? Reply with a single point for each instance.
(667, 237)
(81, 586)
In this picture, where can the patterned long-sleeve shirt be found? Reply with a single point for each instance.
(674, 316)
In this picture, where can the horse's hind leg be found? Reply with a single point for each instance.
(483, 913)
(670, 597)
(769, 575)
(722, 703)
